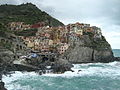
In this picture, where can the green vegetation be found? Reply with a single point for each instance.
(91, 34)
(6, 45)
(27, 33)
(2, 30)
(27, 13)
(100, 44)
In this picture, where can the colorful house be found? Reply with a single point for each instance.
(62, 48)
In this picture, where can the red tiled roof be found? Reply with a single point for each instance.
(38, 25)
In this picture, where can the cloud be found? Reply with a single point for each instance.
(112, 34)
(102, 13)
(80, 10)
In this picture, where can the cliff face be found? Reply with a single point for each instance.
(6, 59)
(89, 49)
(103, 56)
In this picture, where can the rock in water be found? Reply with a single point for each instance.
(61, 65)
(2, 86)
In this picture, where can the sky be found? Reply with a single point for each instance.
(102, 13)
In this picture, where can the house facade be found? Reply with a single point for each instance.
(62, 48)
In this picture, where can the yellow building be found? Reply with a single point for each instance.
(50, 42)
(62, 48)
(30, 44)
(79, 32)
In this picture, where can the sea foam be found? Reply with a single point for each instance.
(105, 70)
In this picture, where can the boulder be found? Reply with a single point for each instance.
(61, 65)
(2, 87)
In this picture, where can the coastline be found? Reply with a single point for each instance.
(89, 74)
(45, 73)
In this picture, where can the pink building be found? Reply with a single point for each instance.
(62, 48)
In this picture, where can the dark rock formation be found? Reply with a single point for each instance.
(29, 68)
(35, 64)
(88, 50)
(117, 58)
(105, 55)
(2, 86)
(61, 65)
(6, 59)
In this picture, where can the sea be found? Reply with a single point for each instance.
(94, 76)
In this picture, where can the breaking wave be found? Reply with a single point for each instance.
(93, 76)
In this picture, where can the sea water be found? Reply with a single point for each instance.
(97, 76)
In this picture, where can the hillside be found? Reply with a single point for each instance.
(27, 13)
(81, 42)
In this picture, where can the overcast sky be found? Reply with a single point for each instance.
(102, 13)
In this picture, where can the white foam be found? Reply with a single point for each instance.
(111, 70)
(17, 75)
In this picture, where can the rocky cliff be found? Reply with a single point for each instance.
(88, 50)
(6, 59)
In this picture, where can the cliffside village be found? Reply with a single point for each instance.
(54, 39)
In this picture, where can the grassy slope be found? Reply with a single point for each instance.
(27, 13)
